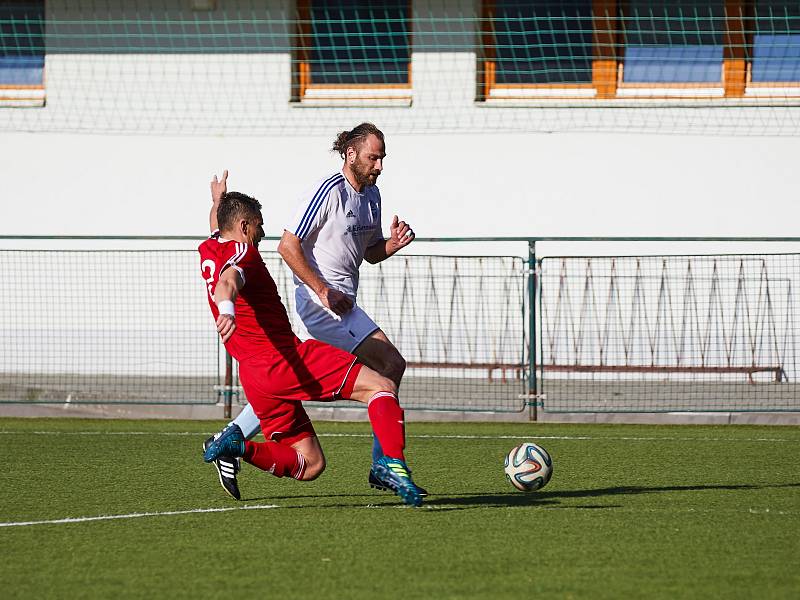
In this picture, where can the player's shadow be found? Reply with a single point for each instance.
(550, 499)
(511, 499)
(554, 497)
(358, 498)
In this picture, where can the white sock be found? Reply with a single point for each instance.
(248, 422)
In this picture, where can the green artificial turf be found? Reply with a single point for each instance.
(631, 511)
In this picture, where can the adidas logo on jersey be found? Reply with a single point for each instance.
(350, 215)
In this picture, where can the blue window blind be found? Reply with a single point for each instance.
(673, 41)
(776, 43)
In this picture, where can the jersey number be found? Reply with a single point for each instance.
(211, 267)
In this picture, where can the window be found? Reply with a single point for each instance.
(22, 53)
(641, 49)
(350, 51)
(672, 47)
(775, 64)
(535, 48)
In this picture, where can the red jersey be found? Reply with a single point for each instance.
(262, 324)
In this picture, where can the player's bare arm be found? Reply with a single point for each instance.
(401, 235)
(292, 252)
(228, 286)
(218, 187)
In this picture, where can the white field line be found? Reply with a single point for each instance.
(434, 437)
(70, 520)
(135, 515)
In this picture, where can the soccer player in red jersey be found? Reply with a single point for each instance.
(278, 371)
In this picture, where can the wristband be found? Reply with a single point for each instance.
(226, 307)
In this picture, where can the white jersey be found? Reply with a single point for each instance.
(336, 224)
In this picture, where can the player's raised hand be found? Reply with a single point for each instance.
(219, 187)
(401, 234)
(226, 325)
(335, 300)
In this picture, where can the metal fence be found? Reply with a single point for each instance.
(669, 333)
(480, 333)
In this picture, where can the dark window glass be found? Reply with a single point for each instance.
(542, 42)
(360, 42)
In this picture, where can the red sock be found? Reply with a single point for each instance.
(387, 421)
(280, 460)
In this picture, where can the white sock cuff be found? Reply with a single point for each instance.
(384, 394)
(301, 467)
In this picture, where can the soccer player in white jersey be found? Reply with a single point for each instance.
(338, 225)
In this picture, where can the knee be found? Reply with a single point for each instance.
(314, 469)
(385, 384)
(369, 383)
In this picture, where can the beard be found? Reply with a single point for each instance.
(363, 174)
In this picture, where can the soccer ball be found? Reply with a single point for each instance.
(528, 467)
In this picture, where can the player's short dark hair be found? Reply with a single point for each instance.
(234, 206)
(355, 137)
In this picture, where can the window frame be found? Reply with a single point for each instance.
(487, 77)
(305, 91)
(665, 89)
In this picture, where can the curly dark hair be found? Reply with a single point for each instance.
(234, 206)
(354, 138)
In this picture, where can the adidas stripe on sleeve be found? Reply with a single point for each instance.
(239, 252)
(312, 210)
(377, 236)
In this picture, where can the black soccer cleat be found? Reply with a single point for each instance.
(376, 484)
(227, 468)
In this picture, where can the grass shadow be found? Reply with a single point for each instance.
(552, 497)
(633, 490)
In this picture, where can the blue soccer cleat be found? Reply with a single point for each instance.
(393, 474)
(377, 484)
(227, 443)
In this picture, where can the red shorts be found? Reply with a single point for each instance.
(276, 384)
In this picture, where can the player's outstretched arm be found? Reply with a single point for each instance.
(218, 187)
(291, 250)
(228, 286)
(401, 235)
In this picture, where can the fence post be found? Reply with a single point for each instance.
(228, 390)
(533, 396)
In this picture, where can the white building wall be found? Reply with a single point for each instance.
(129, 139)
(445, 185)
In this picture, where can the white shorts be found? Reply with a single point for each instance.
(345, 331)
